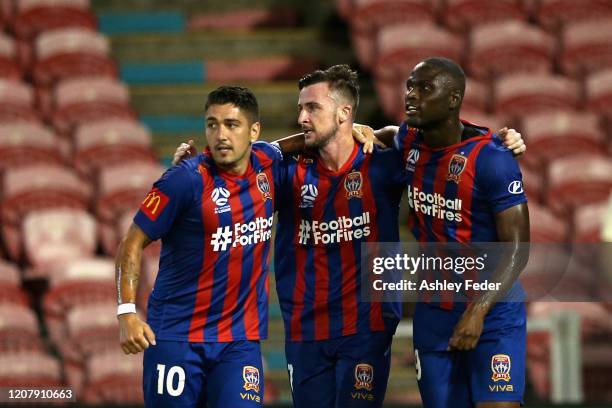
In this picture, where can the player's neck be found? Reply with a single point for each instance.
(335, 154)
(444, 134)
(238, 168)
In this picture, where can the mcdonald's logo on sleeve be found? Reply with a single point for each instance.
(154, 203)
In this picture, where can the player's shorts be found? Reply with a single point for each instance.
(345, 372)
(493, 371)
(183, 374)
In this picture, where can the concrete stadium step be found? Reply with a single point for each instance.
(227, 44)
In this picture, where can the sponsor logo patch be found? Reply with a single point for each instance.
(154, 203)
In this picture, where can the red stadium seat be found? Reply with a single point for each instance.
(509, 47)
(71, 53)
(478, 96)
(599, 92)
(9, 66)
(18, 329)
(402, 46)
(552, 14)
(54, 237)
(111, 142)
(122, 188)
(35, 16)
(533, 183)
(37, 187)
(367, 17)
(114, 378)
(85, 100)
(548, 227)
(578, 181)
(29, 369)
(587, 46)
(78, 283)
(10, 285)
(259, 69)
(23, 143)
(112, 233)
(17, 101)
(523, 94)
(588, 221)
(560, 134)
(464, 14)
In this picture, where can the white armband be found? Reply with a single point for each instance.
(126, 308)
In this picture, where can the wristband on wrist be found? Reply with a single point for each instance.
(125, 308)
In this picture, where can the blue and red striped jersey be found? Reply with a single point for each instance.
(455, 192)
(324, 217)
(212, 284)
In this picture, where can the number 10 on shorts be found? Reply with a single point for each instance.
(173, 372)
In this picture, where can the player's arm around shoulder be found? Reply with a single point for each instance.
(135, 335)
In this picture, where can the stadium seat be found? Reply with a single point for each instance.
(560, 134)
(402, 46)
(10, 285)
(478, 96)
(464, 14)
(17, 101)
(588, 220)
(37, 187)
(24, 144)
(367, 17)
(259, 69)
(35, 16)
(86, 100)
(110, 142)
(114, 378)
(18, 329)
(526, 93)
(9, 65)
(54, 237)
(554, 14)
(29, 369)
(41, 186)
(76, 284)
(243, 19)
(587, 46)
(71, 53)
(509, 47)
(533, 184)
(577, 181)
(122, 188)
(548, 227)
(599, 92)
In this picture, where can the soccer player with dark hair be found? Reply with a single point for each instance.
(468, 354)
(208, 309)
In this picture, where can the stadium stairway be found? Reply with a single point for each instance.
(173, 55)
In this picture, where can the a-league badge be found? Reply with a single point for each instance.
(455, 167)
(364, 377)
(352, 185)
(250, 375)
(500, 365)
(264, 186)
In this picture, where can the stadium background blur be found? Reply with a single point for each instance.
(95, 96)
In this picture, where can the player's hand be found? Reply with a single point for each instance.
(184, 151)
(513, 141)
(134, 334)
(365, 135)
(467, 331)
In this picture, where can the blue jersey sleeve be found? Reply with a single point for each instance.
(499, 176)
(168, 198)
(400, 138)
(272, 150)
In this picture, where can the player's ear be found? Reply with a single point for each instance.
(345, 112)
(455, 100)
(255, 129)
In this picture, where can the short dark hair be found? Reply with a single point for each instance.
(340, 78)
(451, 69)
(238, 96)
